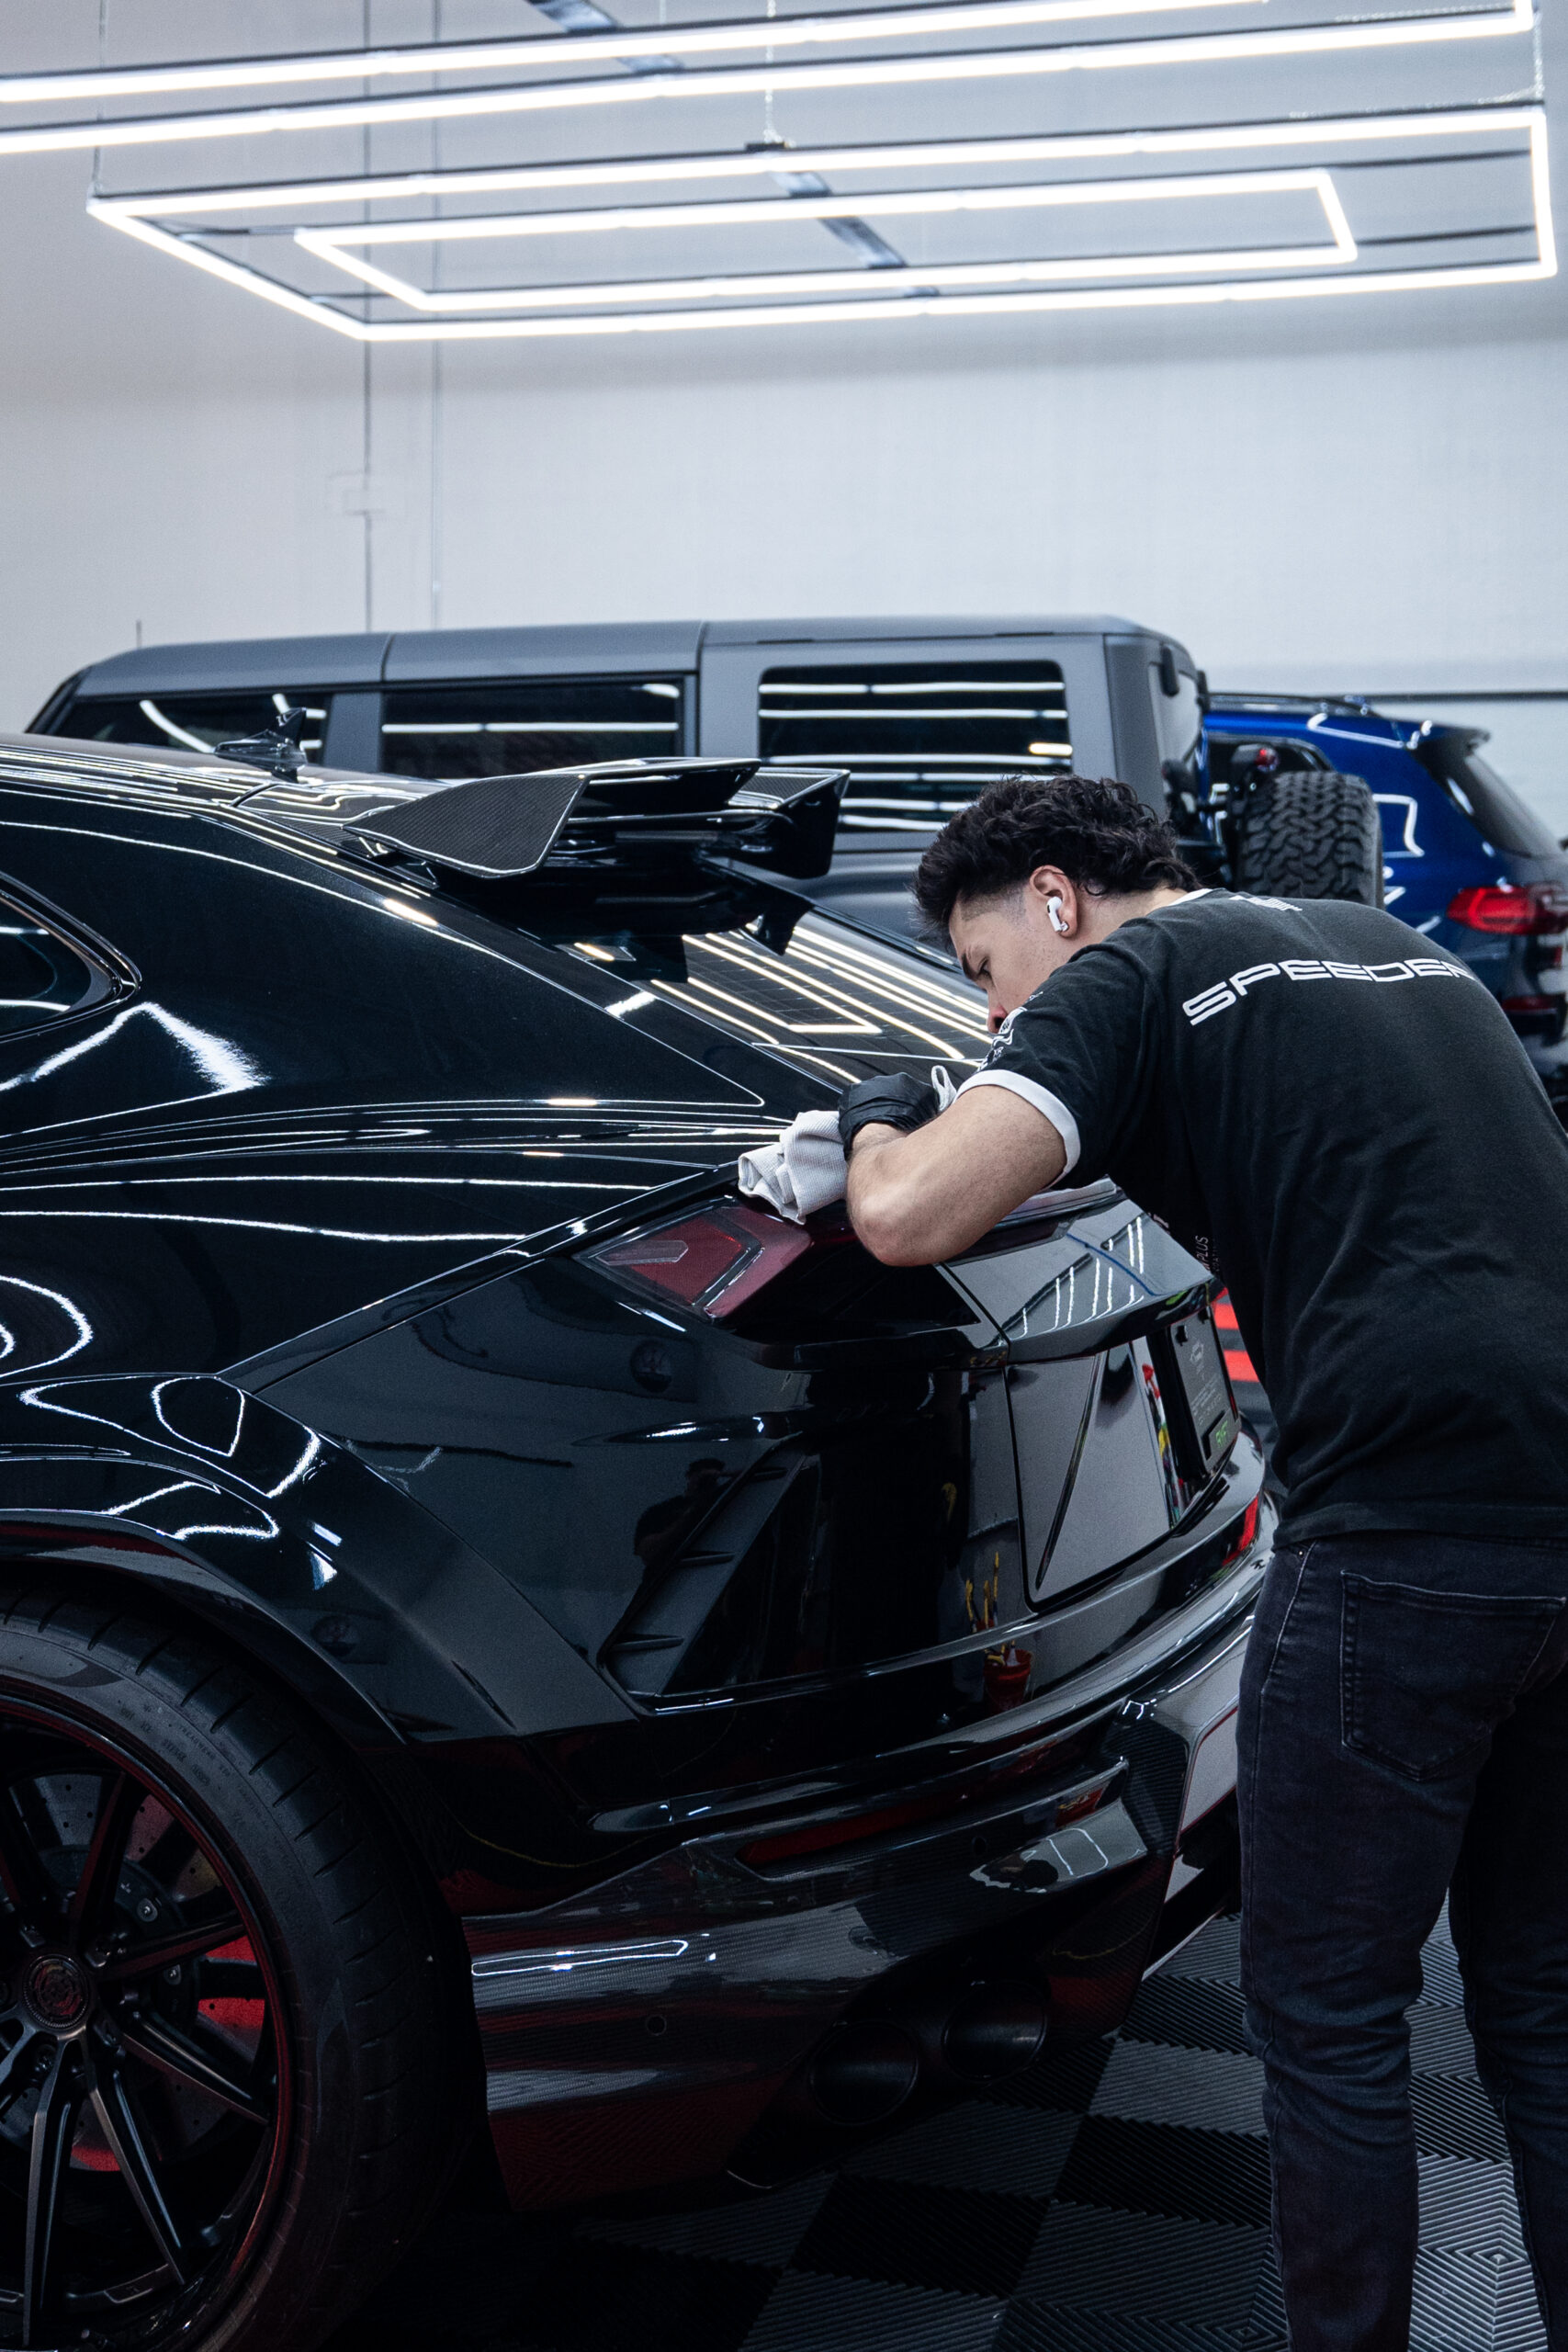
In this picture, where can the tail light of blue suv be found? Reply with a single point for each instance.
(1536, 913)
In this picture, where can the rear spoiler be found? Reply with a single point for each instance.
(619, 814)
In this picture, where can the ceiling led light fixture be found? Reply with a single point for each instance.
(1182, 49)
(856, 300)
(745, 212)
(764, 163)
(329, 245)
(543, 48)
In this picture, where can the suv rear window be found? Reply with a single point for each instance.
(1493, 807)
(445, 733)
(921, 739)
(189, 722)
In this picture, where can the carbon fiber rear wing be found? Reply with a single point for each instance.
(619, 815)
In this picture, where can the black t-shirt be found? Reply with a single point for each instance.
(1338, 1118)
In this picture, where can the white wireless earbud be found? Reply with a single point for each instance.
(1054, 908)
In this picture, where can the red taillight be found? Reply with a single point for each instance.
(715, 1259)
(1500, 908)
(1531, 1003)
(1246, 1534)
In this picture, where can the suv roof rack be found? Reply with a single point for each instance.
(619, 813)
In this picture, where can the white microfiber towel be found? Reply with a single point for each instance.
(802, 1172)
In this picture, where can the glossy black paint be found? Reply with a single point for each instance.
(301, 1332)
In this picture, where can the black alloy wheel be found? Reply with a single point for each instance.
(144, 2088)
(230, 2045)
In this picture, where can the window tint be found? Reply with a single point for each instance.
(921, 739)
(447, 732)
(190, 722)
(1493, 807)
(41, 976)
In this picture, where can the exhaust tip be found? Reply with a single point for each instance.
(996, 2029)
(864, 2073)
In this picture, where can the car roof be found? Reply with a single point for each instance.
(181, 778)
(1231, 711)
(410, 656)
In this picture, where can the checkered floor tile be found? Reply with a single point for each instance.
(1113, 2199)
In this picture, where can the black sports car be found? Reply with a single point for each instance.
(495, 1626)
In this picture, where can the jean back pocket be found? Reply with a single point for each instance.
(1426, 1677)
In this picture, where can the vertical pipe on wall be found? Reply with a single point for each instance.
(366, 388)
(436, 387)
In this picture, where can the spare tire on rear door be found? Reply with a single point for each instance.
(1311, 834)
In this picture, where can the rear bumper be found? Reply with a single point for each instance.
(674, 2023)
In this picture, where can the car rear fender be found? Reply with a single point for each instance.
(369, 1608)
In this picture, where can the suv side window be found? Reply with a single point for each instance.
(445, 733)
(921, 739)
(42, 975)
(189, 722)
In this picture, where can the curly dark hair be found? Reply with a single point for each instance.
(1101, 835)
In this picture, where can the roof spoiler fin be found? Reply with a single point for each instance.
(621, 813)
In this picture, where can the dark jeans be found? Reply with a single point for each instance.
(1403, 1736)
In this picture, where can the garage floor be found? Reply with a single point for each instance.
(1115, 2199)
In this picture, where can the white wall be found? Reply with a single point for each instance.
(1370, 494)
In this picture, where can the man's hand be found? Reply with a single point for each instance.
(900, 1101)
(917, 1198)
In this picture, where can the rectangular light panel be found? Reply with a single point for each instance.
(1316, 271)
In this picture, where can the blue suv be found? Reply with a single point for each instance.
(1465, 860)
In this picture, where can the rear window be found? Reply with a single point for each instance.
(1493, 808)
(837, 1003)
(445, 733)
(921, 739)
(191, 723)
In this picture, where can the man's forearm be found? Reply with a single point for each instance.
(915, 1198)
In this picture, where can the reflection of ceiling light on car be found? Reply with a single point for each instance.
(1298, 40)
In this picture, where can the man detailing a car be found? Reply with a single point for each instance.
(1340, 1122)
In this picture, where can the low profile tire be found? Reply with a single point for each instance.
(224, 2077)
(1312, 835)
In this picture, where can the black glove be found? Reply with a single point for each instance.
(900, 1101)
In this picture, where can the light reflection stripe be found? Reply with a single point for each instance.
(962, 1016)
(946, 1003)
(768, 970)
(254, 1225)
(268, 1176)
(755, 964)
(707, 988)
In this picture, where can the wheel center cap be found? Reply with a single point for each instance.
(57, 1991)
